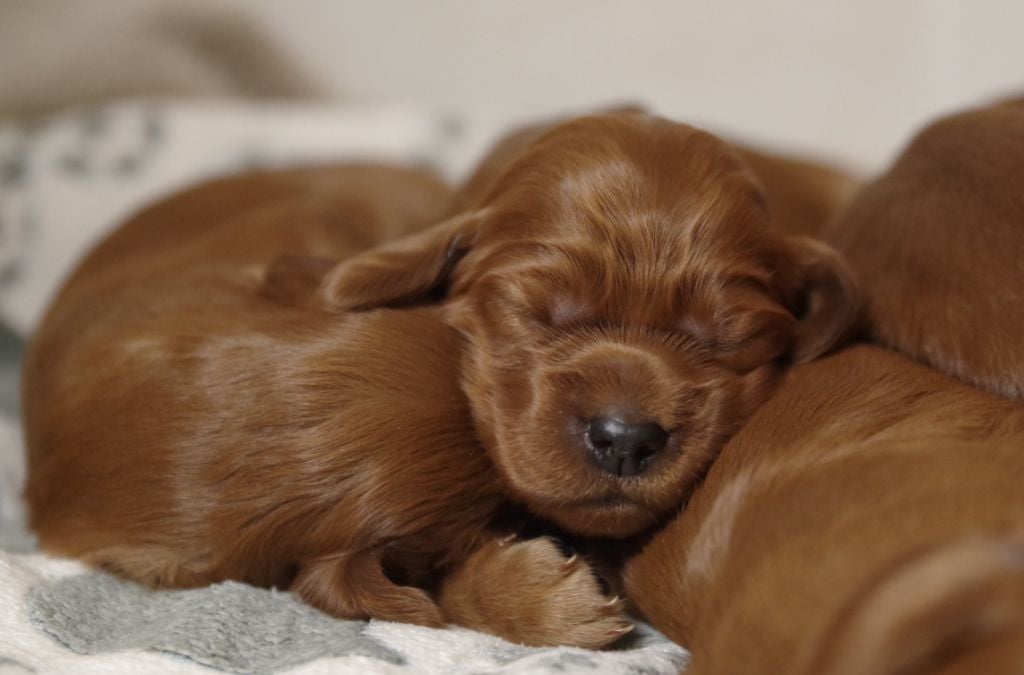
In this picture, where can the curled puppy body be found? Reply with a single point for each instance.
(938, 242)
(867, 520)
(184, 429)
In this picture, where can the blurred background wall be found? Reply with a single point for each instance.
(845, 79)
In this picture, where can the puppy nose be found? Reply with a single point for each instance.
(622, 448)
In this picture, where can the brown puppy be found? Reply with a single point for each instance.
(938, 242)
(183, 429)
(803, 195)
(626, 303)
(611, 315)
(868, 520)
(185, 426)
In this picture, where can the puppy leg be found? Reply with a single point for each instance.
(528, 592)
(353, 585)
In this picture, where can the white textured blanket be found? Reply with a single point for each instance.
(57, 617)
(63, 183)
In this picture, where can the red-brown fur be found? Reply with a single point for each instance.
(186, 426)
(938, 243)
(183, 429)
(622, 263)
(868, 519)
(802, 195)
(213, 397)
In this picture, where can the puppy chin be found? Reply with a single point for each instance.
(610, 517)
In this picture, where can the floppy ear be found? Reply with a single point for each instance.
(826, 301)
(399, 273)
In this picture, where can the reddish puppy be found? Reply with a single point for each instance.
(626, 303)
(869, 519)
(609, 314)
(939, 243)
(184, 428)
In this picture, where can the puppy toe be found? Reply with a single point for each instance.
(529, 592)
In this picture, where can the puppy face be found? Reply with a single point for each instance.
(625, 304)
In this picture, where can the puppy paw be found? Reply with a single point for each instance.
(529, 592)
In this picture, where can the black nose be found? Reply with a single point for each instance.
(624, 448)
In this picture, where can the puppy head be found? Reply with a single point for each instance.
(626, 306)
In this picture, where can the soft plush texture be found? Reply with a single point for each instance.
(58, 617)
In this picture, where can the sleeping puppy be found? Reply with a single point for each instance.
(938, 243)
(212, 398)
(184, 426)
(188, 424)
(867, 520)
(625, 305)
